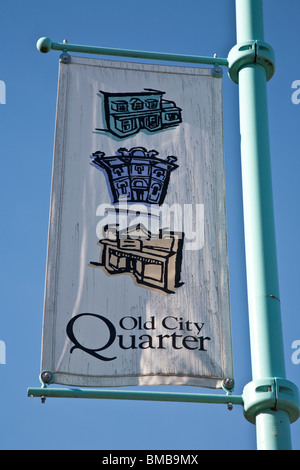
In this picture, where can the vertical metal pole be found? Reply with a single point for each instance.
(273, 427)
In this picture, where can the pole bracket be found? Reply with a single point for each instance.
(274, 394)
(251, 52)
(45, 45)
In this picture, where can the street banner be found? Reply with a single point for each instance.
(137, 289)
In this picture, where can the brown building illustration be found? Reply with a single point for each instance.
(153, 260)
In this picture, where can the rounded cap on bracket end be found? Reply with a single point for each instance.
(44, 45)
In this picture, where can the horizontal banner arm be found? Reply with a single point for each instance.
(134, 395)
(45, 45)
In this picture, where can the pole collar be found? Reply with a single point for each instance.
(251, 52)
(275, 394)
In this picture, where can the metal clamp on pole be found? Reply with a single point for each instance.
(251, 52)
(272, 393)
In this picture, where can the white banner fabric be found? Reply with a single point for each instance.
(137, 289)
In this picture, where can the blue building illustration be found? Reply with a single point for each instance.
(136, 175)
(128, 113)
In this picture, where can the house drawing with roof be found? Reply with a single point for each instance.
(152, 260)
(128, 113)
(136, 175)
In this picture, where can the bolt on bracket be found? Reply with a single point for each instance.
(217, 71)
(46, 378)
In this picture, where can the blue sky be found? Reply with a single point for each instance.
(27, 134)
